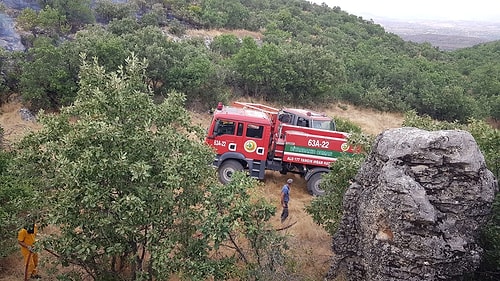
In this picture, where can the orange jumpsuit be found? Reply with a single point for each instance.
(28, 239)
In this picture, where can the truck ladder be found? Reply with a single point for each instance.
(257, 169)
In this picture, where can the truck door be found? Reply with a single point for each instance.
(256, 141)
(252, 140)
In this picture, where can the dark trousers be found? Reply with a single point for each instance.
(284, 213)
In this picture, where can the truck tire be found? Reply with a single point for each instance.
(314, 185)
(227, 169)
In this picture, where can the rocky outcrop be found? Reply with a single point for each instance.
(415, 209)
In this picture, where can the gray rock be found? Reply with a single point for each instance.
(26, 114)
(415, 209)
(9, 39)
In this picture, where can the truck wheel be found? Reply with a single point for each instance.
(314, 185)
(227, 169)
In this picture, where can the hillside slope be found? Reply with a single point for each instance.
(310, 245)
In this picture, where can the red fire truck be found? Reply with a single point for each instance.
(256, 138)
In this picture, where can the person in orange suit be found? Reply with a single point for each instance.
(26, 239)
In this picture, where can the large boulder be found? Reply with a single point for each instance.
(415, 209)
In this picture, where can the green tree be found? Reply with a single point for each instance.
(77, 12)
(10, 73)
(226, 45)
(110, 49)
(224, 13)
(49, 75)
(119, 168)
(52, 22)
(451, 104)
(273, 34)
(48, 22)
(16, 200)
(327, 210)
(154, 17)
(192, 75)
(307, 74)
(128, 182)
(123, 26)
(27, 20)
(181, 66)
(107, 10)
(485, 86)
(162, 55)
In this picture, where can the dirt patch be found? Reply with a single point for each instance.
(12, 267)
(310, 245)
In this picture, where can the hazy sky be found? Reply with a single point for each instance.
(486, 10)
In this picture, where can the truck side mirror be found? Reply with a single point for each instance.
(217, 130)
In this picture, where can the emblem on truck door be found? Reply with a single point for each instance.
(250, 146)
(344, 147)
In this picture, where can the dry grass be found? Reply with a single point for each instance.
(11, 268)
(371, 121)
(310, 244)
(14, 127)
(240, 33)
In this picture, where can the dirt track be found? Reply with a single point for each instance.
(310, 244)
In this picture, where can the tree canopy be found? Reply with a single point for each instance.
(303, 53)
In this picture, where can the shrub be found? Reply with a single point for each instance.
(15, 200)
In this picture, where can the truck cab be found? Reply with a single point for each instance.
(241, 138)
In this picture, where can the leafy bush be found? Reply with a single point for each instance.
(16, 198)
(49, 75)
(345, 125)
(327, 209)
(107, 10)
(226, 45)
(489, 268)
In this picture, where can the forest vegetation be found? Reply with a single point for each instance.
(121, 76)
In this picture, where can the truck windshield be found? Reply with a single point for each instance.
(224, 127)
(323, 125)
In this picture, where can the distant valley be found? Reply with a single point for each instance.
(447, 35)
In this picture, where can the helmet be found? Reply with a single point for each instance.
(289, 181)
(29, 223)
